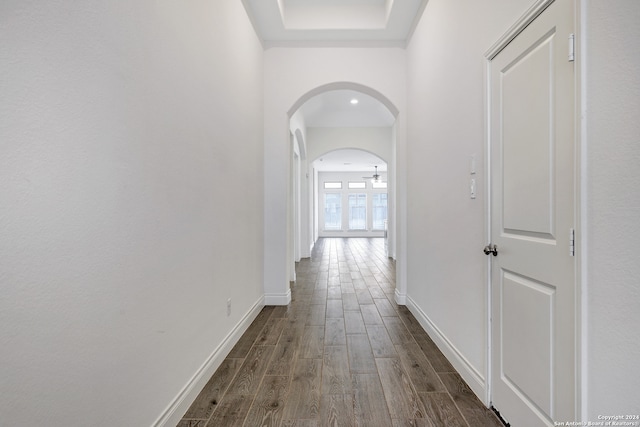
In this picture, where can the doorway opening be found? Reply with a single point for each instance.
(351, 193)
(341, 133)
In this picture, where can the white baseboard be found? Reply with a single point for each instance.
(278, 299)
(467, 371)
(401, 298)
(181, 403)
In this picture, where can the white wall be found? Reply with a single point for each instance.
(298, 128)
(290, 74)
(611, 207)
(445, 126)
(376, 140)
(128, 130)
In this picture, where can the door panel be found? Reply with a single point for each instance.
(526, 144)
(527, 311)
(532, 211)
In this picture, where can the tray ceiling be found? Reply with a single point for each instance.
(334, 22)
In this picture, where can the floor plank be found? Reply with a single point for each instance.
(334, 333)
(312, 342)
(370, 314)
(370, 407)
(360, 355)
(300, 423)
(231, 412)
(472, 409)
(286, 351)
(397, 330)
(336, 378)
(341, 353)
(213, 391)
(384, 306)
(350, 302)
(363, 295)
(304, 395)
(402, 399)
(353, 323)
(418, 422)
(191, 423)
(247, 339)
(381, 344)
(334, 308)
(317, 314)
(334, 292)
(441, 411)
(433, 353)
(250, 373)
(416, 364)
(271, 331)
(266, 410)
(336, 410)
(377, 293)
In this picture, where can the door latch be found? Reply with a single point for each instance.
(490, 249)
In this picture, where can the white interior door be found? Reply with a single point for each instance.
(531, 98)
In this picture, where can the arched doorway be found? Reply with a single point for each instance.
(329, 119)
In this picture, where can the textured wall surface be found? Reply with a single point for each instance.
(377, 140)
(446, 266)
(612, 207)
(127, 131)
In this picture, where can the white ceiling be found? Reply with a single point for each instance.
(334, 109)
(334, 22)
(350, 160)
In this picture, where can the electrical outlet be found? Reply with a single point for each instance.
(229, 307)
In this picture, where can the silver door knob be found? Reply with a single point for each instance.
(490, 249)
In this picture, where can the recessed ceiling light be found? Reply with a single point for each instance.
(354, 101)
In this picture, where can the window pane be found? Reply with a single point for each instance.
(379, 206)
(332, 211)
(357, 211)
(333, 185)
(357, 185)
(379, 185)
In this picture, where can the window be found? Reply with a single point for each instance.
(333, 185)
(357, 211)
(379, 207)
(332, 211)
(348, 205)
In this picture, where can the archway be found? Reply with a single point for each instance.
(307, 174)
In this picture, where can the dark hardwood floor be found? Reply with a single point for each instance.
(343, 353)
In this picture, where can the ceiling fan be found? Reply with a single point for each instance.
(375, 177)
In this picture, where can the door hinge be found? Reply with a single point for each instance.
(572, 47)
(572, 242)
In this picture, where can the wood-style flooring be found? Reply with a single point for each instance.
(343, 353)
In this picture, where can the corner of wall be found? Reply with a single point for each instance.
(476, 381)
(180, 404)
(278, 298)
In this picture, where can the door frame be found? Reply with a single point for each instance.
(530, 15)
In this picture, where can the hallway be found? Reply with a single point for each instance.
(341, 354)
